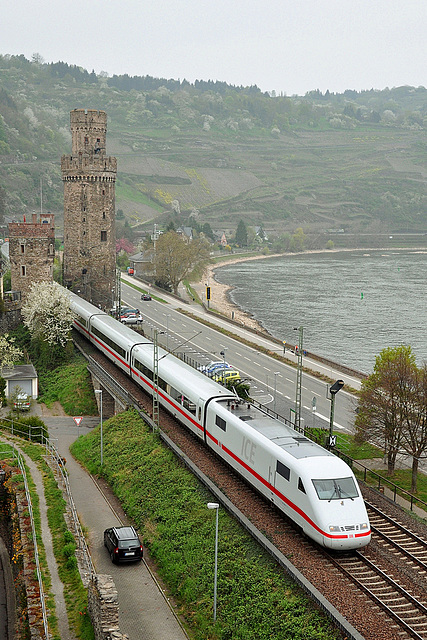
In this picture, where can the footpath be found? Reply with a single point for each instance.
(145, 613)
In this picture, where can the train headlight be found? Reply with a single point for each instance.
(334, 528)
(363, 526)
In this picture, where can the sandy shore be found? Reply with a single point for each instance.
(220, 299)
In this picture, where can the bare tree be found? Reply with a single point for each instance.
(414, 433)
(175, 257)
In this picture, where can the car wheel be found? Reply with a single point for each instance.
(112, 557)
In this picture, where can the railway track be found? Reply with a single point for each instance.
(371, 570)
(408, 611)
(398, 538)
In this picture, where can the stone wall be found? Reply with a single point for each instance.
(103, 607)
(31, 252)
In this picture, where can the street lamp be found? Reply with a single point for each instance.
(333, 391)
(276, 373)
(167, 331)
(99, 391)
(215, 505)
(222, 353)
(299, 379)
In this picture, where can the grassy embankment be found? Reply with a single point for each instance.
(168, 505)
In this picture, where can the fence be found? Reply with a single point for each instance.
(382, 482)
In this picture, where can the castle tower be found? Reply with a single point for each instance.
(31, 252)
(89, 178)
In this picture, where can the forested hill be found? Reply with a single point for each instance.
(354, 161)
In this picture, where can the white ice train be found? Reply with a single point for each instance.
(313, 487)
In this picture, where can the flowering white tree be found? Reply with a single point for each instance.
(47, 313)
(9, 352)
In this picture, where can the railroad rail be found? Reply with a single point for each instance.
(394, 534)
(408, 611)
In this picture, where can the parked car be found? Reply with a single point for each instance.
(216, 370)
(145, 296)
(226, 375)
(131, 318)
(213, 366)
(123, 544)
(22, 402)
(127, 311)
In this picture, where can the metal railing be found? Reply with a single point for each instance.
(383, 482)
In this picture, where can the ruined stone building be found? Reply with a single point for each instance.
(89, 178)
(31, 252)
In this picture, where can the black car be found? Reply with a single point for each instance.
(123, 544)
(145, 296)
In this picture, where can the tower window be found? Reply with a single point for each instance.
(103, 215)
(22, 248)
(103, 236)
(23, 270)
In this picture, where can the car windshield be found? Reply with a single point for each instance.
(335, 488)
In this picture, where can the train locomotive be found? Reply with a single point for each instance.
(312, 486)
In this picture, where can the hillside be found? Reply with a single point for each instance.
(354, 161)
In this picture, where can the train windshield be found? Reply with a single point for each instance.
(336, 489)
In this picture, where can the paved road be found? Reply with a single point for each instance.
(144, 613)
(272, 382)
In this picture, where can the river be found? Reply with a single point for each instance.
(351, 304)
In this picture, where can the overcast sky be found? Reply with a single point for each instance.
(289, 47)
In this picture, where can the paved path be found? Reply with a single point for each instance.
(57, 586)
(144, 612)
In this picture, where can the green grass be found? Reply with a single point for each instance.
(168, 505)
(364, 451)
(70, 385)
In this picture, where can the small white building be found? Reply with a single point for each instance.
(23, 376)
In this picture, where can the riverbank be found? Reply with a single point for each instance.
(220, 293)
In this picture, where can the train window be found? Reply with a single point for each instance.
(144, 370)
(81, 320)
(335, 488)
(220, 423)
(300, 485)
(190, 406)
(109, 342)
(283, 470)
(162, 384)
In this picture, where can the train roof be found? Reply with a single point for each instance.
(279, 433)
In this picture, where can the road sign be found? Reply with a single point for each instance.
(78, 420)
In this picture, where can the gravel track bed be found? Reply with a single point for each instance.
(307, 557)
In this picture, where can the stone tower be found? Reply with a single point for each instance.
(31, 252)
(89, 178)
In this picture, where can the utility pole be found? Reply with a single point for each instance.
(155, 381)
(299, 380)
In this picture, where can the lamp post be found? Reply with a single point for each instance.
(276, 373)
(215, 505)
(222, 353)
(299, 379)
(167, 331)
(333, 391)
(99, 391)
